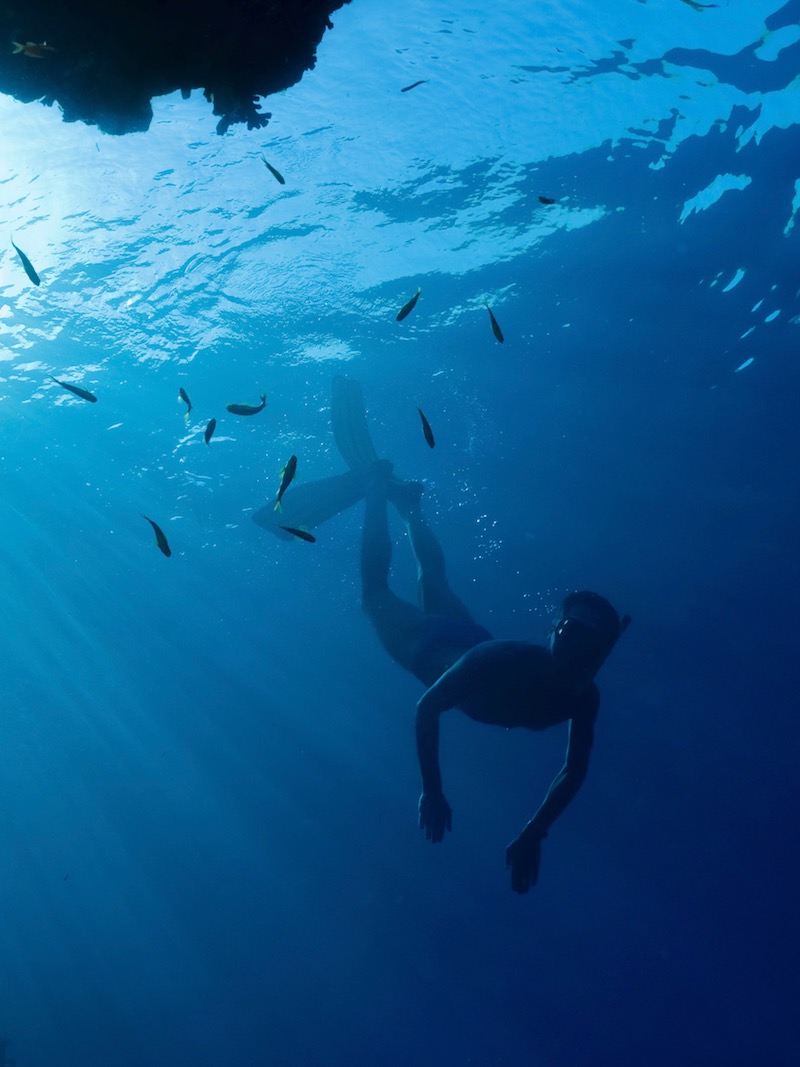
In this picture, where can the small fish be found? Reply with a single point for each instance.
(26, 263)
(288, 473)
(84, 394)
(413, 85)
(426, 429)
(408, 307)
(495, 324)
(304, 535)
(276, 174)
(161, 540)
(209, 430)
(32, 49)
(545, 199)
(248, 409)
(184, 396)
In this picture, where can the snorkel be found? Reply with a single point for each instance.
(624, 623)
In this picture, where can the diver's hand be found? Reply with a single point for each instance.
(522, 856)
(435, 816)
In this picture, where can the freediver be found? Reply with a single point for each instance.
(501, 683)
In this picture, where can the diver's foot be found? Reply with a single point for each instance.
(377, 477)
(405, 496)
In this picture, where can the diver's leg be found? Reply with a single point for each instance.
(435, 595)
(398, 624)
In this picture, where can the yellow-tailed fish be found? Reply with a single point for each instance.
(287, 474)
(247, 409)
(209, 430)
(408, 307)
(545, 200)
(276, 174)
(32, 49)
(304, 535)
(184, 396)
(426, 429)
(161, 540)
(84, 394)
(26, 263)
(495, 324)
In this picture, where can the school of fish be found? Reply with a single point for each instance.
(40, 51)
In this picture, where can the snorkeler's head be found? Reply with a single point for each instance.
(586, 631)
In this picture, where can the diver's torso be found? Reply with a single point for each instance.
(513, 683)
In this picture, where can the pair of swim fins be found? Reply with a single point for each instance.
(307, 504)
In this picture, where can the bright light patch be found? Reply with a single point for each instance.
(795, 207)
(707, 197)
(322, 351)
(779, 110)
(774, 41)
(734, 281)
(742, 366)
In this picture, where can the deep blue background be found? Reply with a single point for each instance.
(208, 803)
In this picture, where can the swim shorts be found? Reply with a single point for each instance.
(442, 631)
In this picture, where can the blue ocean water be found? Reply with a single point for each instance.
(209, 785)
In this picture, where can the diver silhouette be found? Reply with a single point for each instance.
(502, 683)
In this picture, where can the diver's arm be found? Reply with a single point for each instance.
(569, 779)
(427, 730)
(522, 855)
(434, 812)
(442, 695)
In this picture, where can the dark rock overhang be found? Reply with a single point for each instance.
(102, 61)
